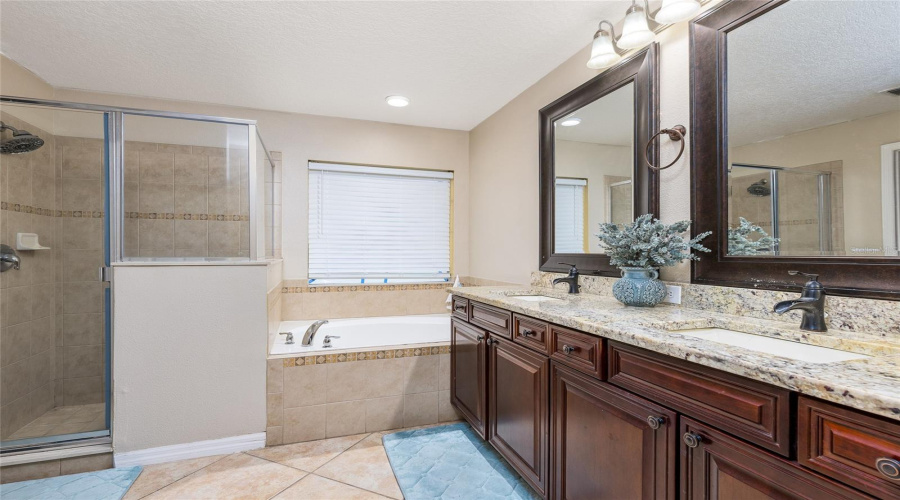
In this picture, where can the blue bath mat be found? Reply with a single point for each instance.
(109, 484)
(451, 461)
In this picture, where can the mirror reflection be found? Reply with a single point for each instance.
(814, 131)
(594, 166)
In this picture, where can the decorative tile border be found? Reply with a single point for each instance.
(171, 216)
(322, 359)
(364, 288)
(97, 214)
(49, 212)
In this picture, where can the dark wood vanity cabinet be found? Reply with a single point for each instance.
(468, 383)
(608, 443)
(581, 417)
(519, 421)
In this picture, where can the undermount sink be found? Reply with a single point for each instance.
(535, 298)
(768, 345)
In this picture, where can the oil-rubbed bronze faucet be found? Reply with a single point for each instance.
(571, 279)
(811, 302)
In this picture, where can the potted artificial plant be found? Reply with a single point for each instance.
(639, 249)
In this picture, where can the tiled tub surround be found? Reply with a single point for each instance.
(871, 384)
(51, 342)
(315, 397)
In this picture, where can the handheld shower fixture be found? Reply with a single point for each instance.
(22, 141)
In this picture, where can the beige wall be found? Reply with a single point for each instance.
(503, 162)
(857, 144)
(189, 354)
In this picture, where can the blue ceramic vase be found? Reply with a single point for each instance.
(639, 287)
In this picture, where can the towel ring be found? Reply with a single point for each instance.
(676, 134)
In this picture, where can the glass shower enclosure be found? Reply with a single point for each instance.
(85, 187)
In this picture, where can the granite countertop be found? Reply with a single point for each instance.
(871, 384)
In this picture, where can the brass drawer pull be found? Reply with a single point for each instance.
(569, 349)
(692, 440)
(889, 467)
(655, 422)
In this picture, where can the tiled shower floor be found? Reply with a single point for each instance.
(64, 420)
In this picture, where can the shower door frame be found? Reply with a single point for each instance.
(823, 189)
(114, 154)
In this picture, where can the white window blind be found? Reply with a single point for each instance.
(378, 223)
(569, 230)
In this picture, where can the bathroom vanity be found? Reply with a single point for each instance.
(590, 399)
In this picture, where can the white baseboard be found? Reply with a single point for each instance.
(196, 449)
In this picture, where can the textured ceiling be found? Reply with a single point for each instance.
(458, 62)
(809, 63)
(608, 120)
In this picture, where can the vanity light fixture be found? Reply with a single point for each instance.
(637, 30)
(397, 101)
(603, 49)
(570, 121)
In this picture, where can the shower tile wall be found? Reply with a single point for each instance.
(28, 320)
(186, 201)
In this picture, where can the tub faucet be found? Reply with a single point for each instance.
(571, 279)
(811, 302)
(311, 332)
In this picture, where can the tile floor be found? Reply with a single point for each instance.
(349, 467)
(64, 420)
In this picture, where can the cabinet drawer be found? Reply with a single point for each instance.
(578, 350)
(490, 318)
(757, 412)
(460, 308)
(531, 333)
(852, 447)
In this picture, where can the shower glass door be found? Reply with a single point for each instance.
(55, 328)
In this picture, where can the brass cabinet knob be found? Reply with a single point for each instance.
(692, 440)
(889, 467)
(655, 422)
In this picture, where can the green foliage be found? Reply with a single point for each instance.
(739, 242)
(648, 243)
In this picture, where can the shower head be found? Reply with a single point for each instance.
(760, 188)
(22, 141)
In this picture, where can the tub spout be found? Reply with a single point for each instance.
(311, 332)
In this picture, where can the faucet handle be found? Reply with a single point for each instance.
(573, 269)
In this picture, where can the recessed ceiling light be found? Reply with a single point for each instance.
(397, 101)
(570, 122)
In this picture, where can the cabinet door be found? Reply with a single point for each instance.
(519, 401)
(718, 466)
(468, 386)
(608, 443)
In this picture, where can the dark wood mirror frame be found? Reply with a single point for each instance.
(872, 277)
(642, 69)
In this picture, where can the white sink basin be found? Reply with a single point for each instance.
(535, 298)
(777, 347)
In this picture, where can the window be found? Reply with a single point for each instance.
(570, 208)
(378, 225)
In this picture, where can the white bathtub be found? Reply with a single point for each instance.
(388, 332)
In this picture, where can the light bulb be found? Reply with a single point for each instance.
(603, 53)
(673, 11)
(635, 31)
(570, 122)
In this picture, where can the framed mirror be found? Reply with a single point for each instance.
(592, 167)
(796, 140)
